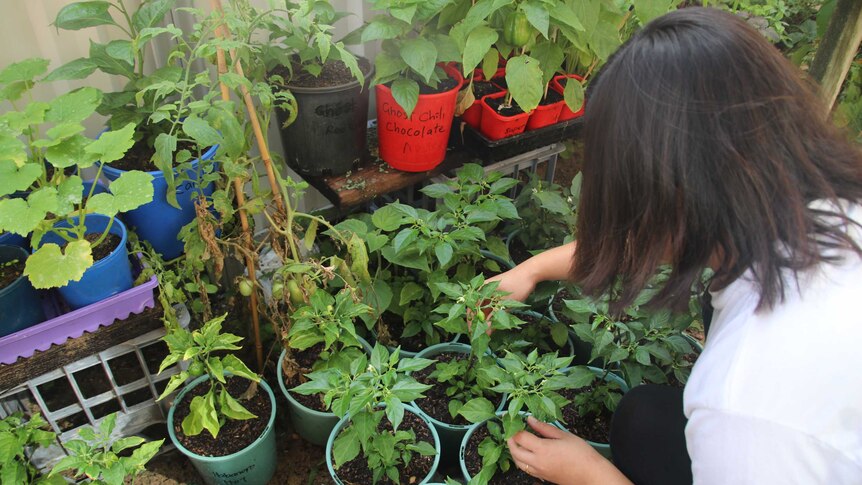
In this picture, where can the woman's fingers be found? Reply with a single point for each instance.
(544, 429)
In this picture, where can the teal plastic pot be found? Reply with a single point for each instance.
(312, 425)
(409, 409)
(450, 434)
(21, 305)
(462, 447)
(604, 449)
(158, 222)
(409, 354)
(108, 276)
(255, 464)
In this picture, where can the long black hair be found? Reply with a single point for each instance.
(702, 141)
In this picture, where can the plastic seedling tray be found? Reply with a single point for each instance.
(73, 324)
(496, 150)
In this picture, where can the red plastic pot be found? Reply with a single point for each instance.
(473, 115)
(545, 115)
(495, 126)
(566, 113)
(479, 75)
(418, 143)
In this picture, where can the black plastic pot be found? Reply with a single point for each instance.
(328, 136)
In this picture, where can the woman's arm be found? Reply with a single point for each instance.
(551, 265)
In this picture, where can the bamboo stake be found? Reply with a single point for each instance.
(243, 217)
(252, 113)
(837, 50)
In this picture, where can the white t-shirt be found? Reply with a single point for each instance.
(776, 396)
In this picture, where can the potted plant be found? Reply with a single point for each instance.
(396, 442)
(460, 373)
(176, 136)
(534, 384)
(416, 91)
(20, 437)
(539, 333)
(103, 460)
(65, 228)
(548, 215)
(225, 398)
(330, 85)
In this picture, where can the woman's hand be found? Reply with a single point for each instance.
(561, 457)
(519, 282)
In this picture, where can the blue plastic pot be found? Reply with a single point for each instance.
(108, 276)
(12, 239)
(158, 222)
(346, 419)
(21, 305)
(100, 188)
(254, 464)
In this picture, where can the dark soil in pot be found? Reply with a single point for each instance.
(304, 359)
(395, 326)
(334, 73)
(10, 272)
(443, 86)
(593, 428)
(532, 331)
(497, 105)
(356, 471)
(106, 247)
(518, 252)
(515, 476)
(484, 88)
(140, 156)
(234, 434)
(551, 98)
(558, 305)
(436, 402)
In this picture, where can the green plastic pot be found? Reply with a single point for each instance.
(604, 449)
(254, 464)
(312, 425)
(410, 409)
(450, 434)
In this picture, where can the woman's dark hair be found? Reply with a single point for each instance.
(703, 141)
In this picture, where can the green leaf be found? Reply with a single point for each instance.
(477, 410)
(131, 190)
(114, 474)
(125, 443)
(13, 178)
(573, 94)
(48, 267)
(550, 57)
(408, 389)
(406, 94)
(566, 16)
(109, 64)
(579, 377)
(382, 27)
(436, 190)
(394, 411)
(559, 333)
(345, 447)
(410, 292)
(538, 16)
(122, 50)
(113, 145)
(201, 131)
(388, 65)
(78, 69)
(647, 10)
(151, 13)
(80, 15)
(444, 252)
(9, 447)
(421, 55)
(231, 408)
(405, 13)
(74, 106)
(524, 79)
(202, 415)
(387, 218)
(234, 366)
(479, 41)
(25, 70)
(553, 202)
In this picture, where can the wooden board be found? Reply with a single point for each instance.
(13, 375)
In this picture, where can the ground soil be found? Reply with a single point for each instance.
(107, 246)
(9, 273)
(515, 476)
(305, 359)
(497, 105)
(334, 73)
(234, 434)
(551, 98)
(357, 471)
(592, 428)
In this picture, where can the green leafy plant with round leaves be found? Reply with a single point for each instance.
(413, 46)
(373, 392)
(18, 438)
(200, 349)
(532, 383)
(42, 150)
(103, 460)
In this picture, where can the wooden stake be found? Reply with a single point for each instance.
(243, 217)
(837, 49)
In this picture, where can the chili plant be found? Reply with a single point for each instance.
(18, 438)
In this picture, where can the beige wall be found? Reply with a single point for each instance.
(26, 31)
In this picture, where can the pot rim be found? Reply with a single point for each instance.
(331, 89)
(20, 280)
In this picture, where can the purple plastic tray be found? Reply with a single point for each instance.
(57, 330)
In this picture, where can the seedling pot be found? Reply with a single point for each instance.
(252, 465)
(158, 222)
(408, 409)
(328, 136)
(495, 126)
(566, 113)
(108, 276)
(418, 143)
(545, 115)
(312, 425)
(20, 302)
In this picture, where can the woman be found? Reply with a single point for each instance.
(704, 147)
